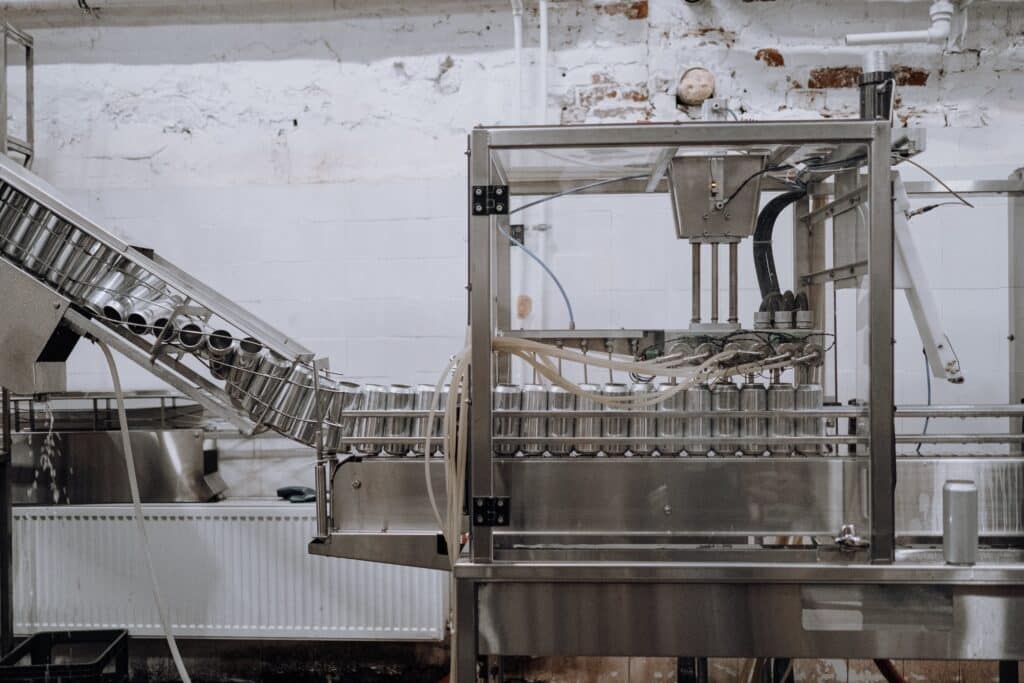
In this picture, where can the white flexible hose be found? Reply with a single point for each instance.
(133, 482)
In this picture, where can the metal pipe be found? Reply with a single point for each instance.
(942, 19)
(734, 301)
(714, 282)
(6, 533)
(695, 283)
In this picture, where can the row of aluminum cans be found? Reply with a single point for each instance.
(589, 435)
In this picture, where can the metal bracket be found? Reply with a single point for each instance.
(490, 200)
(518, 232)
(491, 511)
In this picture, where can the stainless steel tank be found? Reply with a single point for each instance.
(780, 397)
(401, 397)
(374, 397)
(698, 399)
(643, 426)
(615, 427)
(671, 427)
(588, 429)
(506, 397)
(809, 397)
(535, 397)
(753, 397)
(561, 401)
(725, 396)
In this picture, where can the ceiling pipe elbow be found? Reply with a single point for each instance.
(942, 20)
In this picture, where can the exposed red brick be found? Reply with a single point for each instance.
(834, 77)
(770, 56)
(910, 76)
(631, 10)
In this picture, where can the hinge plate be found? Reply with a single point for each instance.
(491, 511)
(490, 200)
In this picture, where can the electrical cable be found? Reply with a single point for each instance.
(133, 483)
(551, 274)
(936, 179)
(574, 190)
(928, 379)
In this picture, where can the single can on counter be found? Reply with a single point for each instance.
(960, 522)
(561, 401)
(809, 397)
(753, 398)
(642, 426)
(401, 398)
(698, 400)
(780, 397)
(588, 427)
(535, 397)
(374, 397)
(670, 428)
(615, 427)
(725, 396)
(507, 397)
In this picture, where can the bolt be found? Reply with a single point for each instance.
(498, 191)
(478, 207)
(56, 305)
(356, 484)
(478, 191)
(499, 207)
(667, 509)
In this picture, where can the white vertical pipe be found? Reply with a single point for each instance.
(543, 246)
(517, 43)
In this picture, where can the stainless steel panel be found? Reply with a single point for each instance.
(88, 468)
(30, 313)
(750, 620)
(715, 198)
(716, 496)
(377, 495)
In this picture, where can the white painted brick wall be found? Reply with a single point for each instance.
(309, 162)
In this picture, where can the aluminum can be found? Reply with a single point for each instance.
(960, 522)
(561, 401)
(698, 399)
(588, 427)
(809, 397)
(506, 397)
(374, 397)
(535, 397)
(643, 426)
(401, 397)
(616, 427)
(780, 397)
(671, 427)
(725, 397)
(753, 397)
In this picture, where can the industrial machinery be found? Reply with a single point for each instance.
(706, 475)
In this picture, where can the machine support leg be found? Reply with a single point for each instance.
(734, 295)
(464, 659)
(714, 282)
(6, 532)
(695, 283)
(692, 669)
(1009, 671)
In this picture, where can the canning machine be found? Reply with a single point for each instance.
(688, 490)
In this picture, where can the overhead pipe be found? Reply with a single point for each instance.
(517, 46)
(942, 20)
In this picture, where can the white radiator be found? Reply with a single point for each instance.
(227, 570)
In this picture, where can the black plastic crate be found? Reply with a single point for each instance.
(69, 657)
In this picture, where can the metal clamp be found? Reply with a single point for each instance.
(491, 511)
(848, 538)
(490, 200)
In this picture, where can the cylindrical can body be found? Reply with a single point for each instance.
(401, 397)
(535, 397)
(243, 363)
(72, 250)
(374, 397)
(24, 230)
(588, 428)
(809, 397)
(507, 397)
(725, 397)
(780, 397)
(341, 425)
(615, 427)
(698, 399)
(266, 380)
(644, 426)
(46, 244)
(960, 522)
(671, 427)
(753, 397)
(310, 413)
(286, 406)
(87, 267)
(424, 401)
(561, 401)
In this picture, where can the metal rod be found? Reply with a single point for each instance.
(322, 529)
(6, 532)
(695, 283)
(714, 282)
(734, 294)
